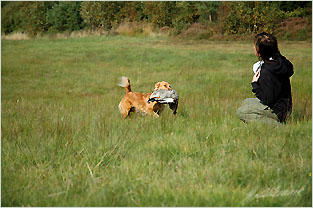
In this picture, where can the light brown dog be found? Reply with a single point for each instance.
(135, 101)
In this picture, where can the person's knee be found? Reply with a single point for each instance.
(247, 100)
(241, 113)
(248, 109)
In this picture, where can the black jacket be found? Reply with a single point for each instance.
(273, 86)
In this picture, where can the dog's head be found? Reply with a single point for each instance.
(162, 85)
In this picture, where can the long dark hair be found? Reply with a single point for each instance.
(266, 45)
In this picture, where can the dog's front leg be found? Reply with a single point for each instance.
(155, 115)
(152, 113)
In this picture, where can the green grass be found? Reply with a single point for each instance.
(64, 143)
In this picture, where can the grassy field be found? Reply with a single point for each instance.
(63, 142)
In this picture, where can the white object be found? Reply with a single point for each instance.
(257, 66)
(164, 96)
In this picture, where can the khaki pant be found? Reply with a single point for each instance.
(252, 110)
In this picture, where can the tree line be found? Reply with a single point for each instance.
(44, 17)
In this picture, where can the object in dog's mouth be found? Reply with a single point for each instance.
(164, 96)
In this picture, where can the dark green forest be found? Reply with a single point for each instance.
(242, 18)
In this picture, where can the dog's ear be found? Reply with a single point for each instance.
(156, 86)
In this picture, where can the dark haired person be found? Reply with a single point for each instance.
(270, 84)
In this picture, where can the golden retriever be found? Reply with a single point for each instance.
(135, 101)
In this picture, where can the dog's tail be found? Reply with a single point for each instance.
(125, 82)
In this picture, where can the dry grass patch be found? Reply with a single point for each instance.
(15, 36)
(135, 29)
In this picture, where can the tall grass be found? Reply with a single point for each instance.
(64, 143)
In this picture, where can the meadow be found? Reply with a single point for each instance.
(63, 142)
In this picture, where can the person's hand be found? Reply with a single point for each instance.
(256, 76)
